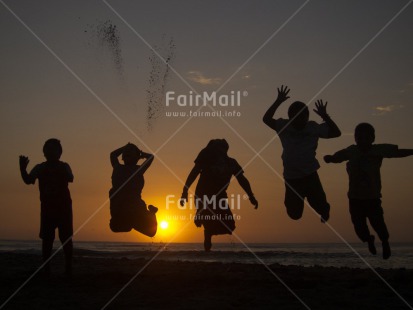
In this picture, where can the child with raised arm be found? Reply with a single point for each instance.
(127, 208)
(215, 168)
(299, 138)
(363, 167)
(53, 177)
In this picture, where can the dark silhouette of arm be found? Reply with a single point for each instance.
(115, 154)
(404, 153)
(245, 184)
(321, 110)
(337, 157)
(268, 117)
(196, 170)
(331, 159)
(69, 173)
(148, 161)
(23, 163)
(334, 131)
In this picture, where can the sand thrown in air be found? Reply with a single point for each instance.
(107, 35)
(158, 78)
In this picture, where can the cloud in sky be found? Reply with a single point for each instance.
(198, 77)
(381, 110)
(406, 87)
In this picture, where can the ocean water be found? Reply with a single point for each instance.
(314, 254)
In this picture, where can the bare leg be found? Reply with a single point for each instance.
(47, 247)
(68, 250)
(207, 240)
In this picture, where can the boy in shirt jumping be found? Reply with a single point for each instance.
(299, 138)
(363, 167)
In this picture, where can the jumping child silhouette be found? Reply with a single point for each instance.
(299, 138)
(127, 208)
(215, 168)
(363, 167)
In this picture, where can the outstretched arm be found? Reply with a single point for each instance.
(196, 170)
(268, 118)
(404, 153)
(321, 110)
(23, 163)
(337, 157)
(245, 184)
(331, 159)
(148, 161)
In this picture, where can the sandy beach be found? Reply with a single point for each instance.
(188, 285)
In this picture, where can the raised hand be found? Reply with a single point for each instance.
(283, 93)
(24, 162)
(321, 109)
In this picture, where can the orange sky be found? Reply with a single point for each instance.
(42, 99)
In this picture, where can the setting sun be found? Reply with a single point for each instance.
(164, 224)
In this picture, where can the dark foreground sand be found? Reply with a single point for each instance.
(184, 285)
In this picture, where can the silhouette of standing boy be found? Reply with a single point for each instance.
(363, 167)
(127, 208)
(299, 138)
(56, 204)
(215, 168)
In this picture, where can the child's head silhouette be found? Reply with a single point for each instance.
(298, 112)
(364, 135)
(222, 146)
(52, 149)
(218, 147)
(131, 154)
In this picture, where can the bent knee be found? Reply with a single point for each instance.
(294, 211)
(294, 215)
